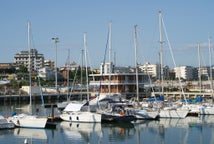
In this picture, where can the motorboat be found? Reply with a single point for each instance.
(5, 123)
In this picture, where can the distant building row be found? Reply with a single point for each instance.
(46, 68)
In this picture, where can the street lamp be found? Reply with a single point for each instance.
(56, 40)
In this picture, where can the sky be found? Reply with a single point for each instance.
(186, 23)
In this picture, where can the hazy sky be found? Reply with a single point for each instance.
(187, 22)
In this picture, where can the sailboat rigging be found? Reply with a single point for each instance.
(24, 119)
(75, 113)
(169, 111)
(140, 112)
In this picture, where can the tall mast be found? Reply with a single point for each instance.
(136, 64)
(109, 45)
(210, 59)
(161, 52)
(199, 66)
(86, 66)
(82, 58)
(109, 85)
(56, 40)
(68, 69)
(30, 85)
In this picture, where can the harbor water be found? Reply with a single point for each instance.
(197, 130)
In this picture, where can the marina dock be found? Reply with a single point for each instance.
(188, 95)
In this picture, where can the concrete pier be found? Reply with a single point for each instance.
(46, 97)
(189, 95)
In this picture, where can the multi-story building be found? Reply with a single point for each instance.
(49, 64)
(46, 73)
(36, 59)
(155, 70)
(118, 82)
(151, 69)
(70, 67)
(185, 72)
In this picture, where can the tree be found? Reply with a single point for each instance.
(22, 69)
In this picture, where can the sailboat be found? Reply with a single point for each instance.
(170, 110)
(208, 108)
(76, 114)
(62, 105)
(28, 120)
(139, 111)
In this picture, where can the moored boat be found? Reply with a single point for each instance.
(170, 112)
(81, 116)
(119, 112)
(28, 121)
(5, 123)
(73, 113)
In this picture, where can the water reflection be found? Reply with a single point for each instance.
(97, 132)
(164, 131)
(31, 133)
(188, 130)
(114, 132)
(81, 131)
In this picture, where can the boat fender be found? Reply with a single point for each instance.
(70, 118)
(18, 122)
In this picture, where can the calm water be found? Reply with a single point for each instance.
(197, 130)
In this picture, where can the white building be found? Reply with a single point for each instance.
(185, 72)
(49, 63)
(46, 73)
(36, 59)
(151, 69)
(71, 66)
(107, 68)
(154, 70)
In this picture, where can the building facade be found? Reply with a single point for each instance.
(49, 64)
(46, 73)
(184, 72)
(122, 83)
(36, 60)
(151, 69)
(155, 70)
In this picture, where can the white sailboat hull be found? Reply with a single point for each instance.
(145, 114)
(29, 121)
(193, 108)
(207, 110)
(81, 116)
(173, 113)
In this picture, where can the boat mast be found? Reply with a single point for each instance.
(161, 52)
(199, 67)
(136, 64)
(86, 67)
(109, 85)
(29, 64)
(82, 57)
(210, 59)
(68, 70)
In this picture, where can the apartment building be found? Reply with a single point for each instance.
(184, 72)
(36, 60)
